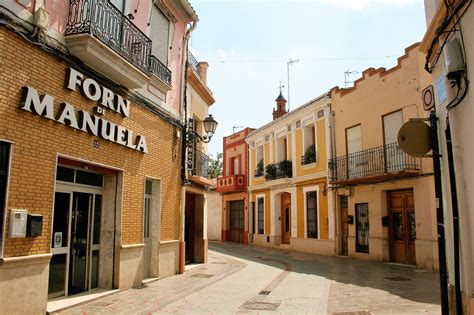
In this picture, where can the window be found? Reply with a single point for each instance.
(4, 166)
(394, 156)
(236, 166)
(312, 214)
(354, 139)
(391, 125)
(309, 145)
(147, 209)
(159, 35)
(362, 227)
(260, 220)
(282, 149)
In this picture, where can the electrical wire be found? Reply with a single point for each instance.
(302, 60)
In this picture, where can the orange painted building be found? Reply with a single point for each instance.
(233, 188)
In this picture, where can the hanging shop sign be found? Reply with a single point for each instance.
(44, 106)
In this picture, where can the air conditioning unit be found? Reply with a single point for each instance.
(453, 58)
(41, 18)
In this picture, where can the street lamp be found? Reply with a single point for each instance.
(210, 125)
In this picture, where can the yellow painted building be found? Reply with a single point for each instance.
(384, 197)
(289, 203)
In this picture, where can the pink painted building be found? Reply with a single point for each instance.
(122, 64)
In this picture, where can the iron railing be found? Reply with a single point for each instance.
(378, 161)
(160, 70)
(201, 164)
(104, 21)
(308, 159)
(258, 172)
(282, 169)
(192, 61)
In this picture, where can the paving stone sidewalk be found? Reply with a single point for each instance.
(155, 295)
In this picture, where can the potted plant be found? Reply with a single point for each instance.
(259, 170)
(285, 168)
(270, 171)
(310, 154)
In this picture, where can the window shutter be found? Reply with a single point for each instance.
(159, 33)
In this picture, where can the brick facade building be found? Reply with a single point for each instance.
(90, 177)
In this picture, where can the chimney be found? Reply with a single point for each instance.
(202, 71)
(281, 107)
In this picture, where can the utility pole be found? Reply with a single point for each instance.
(290, 62)
(443, 274)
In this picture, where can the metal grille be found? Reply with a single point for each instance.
(160, 70)
(201, 164)
(105, 22)
(377, 161)
(282, 169)
(192, 61)
(309, 159)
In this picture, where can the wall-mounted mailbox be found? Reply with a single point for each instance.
(385, 221)
(34, 226)
(350, 219)
(18, 222)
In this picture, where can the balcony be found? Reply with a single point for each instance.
(231, 184)
(159, 70)
(309, 159)
(105, 39)
(373, 165)
(199, 173)
(282, 169)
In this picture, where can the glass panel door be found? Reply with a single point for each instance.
(59, 245)
(362, 228)
(79, 249)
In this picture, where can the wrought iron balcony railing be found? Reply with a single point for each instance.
(201, 164)
(192, 61)
(160, 70)
(282, 169)
(258, 173)
(376, 162)
(309, 159)
(104, 21)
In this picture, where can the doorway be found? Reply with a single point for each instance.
(344, 225)
(285, 218)
(75, 244)
(237, 221)
(402, 229)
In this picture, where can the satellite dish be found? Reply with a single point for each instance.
(414, 138)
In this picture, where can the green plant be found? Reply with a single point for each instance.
(260, 166)
(270, 171)
(310, 154)
(215, 166)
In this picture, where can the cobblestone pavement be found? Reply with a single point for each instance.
(244, 279)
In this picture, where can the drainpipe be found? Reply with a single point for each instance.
(332, 146)
(454, 206)
(184, 61)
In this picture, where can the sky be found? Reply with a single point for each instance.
(248, 44)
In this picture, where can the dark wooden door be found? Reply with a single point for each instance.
(285, 218)
(344, 225)
(237, 221)
(402, 229)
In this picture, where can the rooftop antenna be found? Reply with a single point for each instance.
(236, 127)
(290, 62)
(346, 75)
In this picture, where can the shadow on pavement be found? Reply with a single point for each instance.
(408, 283)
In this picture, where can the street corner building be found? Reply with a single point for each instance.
(290, 206)
(384, 198)
(90, 146)
(232, 186)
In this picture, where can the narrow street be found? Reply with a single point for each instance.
(245, 279)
